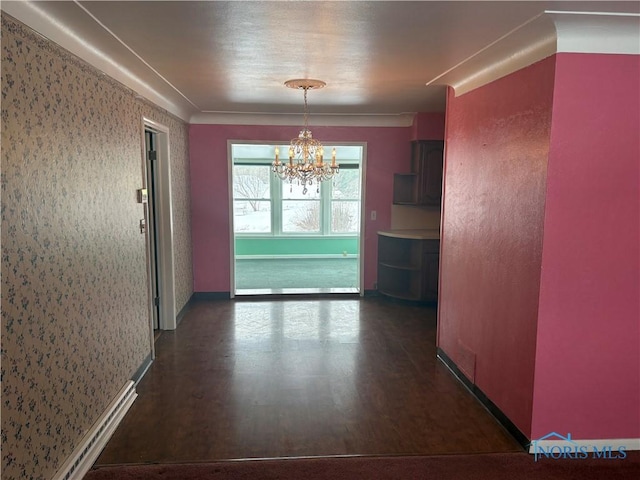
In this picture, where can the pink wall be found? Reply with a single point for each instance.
(388, 151)
(588, 363)
(491, 246)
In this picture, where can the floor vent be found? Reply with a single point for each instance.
(83, 457)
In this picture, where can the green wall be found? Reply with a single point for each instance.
(268, 246)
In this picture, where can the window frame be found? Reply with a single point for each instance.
(276, 189)
(247, 199)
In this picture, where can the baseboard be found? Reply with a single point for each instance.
(142, 369)
(560, 445)
(87, 451)
(499, 415)
(211, 296)
(184, 310)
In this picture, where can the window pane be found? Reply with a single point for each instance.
(294, 191)
(345, 216)
(251, 181)
(347, 184)
(251, 216)
(301, 216)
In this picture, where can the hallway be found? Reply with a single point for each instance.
(302, 377)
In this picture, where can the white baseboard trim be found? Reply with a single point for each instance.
(591, 446)
(86, 453)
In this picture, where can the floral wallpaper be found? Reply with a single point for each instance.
(181, 205)
(74, 282)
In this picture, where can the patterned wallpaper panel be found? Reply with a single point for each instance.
(74, 297)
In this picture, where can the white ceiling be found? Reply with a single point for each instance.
(199, 58)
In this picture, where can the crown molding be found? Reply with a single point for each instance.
(50, 28)
(325, 120)
(539, 37)
(544, 35)
(596, 32)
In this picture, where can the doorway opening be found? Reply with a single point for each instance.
(285, 241)
(158, 227)
(151, 162)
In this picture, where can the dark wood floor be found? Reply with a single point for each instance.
(302, 377)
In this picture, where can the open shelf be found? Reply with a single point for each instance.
(408, 267)
(404, 188)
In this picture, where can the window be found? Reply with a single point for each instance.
(345, 201)
(265, 205)
(251, 199)
(300, 212)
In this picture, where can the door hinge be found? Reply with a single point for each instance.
(153, 155)
(156, 301)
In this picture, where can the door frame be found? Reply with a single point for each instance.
(361, 237)
(164, 228)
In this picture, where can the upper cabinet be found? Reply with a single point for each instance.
(426, 161)
(423, 185)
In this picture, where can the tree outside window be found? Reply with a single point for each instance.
(264, 204)
(251, 199)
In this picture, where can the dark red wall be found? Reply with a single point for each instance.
(588, 360)
(428, 126)
(492, 229)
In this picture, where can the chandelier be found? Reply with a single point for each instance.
(306, 154)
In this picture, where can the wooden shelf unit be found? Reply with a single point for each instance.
(408, 261)
(404, 191)
(408, 267)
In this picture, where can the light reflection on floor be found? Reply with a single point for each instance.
(307, 350)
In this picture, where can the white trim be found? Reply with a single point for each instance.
(615, 443)
(147, 240)
(318, 119)
(91, 445)
(363, 217)
(541, 36)
(362, 164)
(166, 267)
(597, 32)
(519, 47)
(232, 233)
(158, 90)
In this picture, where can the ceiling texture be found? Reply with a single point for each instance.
(221, 61)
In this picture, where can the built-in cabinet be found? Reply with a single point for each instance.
(408, 258)
(408, 264)
(423, 185)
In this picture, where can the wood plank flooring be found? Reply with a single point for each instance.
(301, 377)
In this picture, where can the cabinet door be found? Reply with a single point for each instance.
(426, 162)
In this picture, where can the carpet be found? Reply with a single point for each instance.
(502, 466)
(297, 273)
